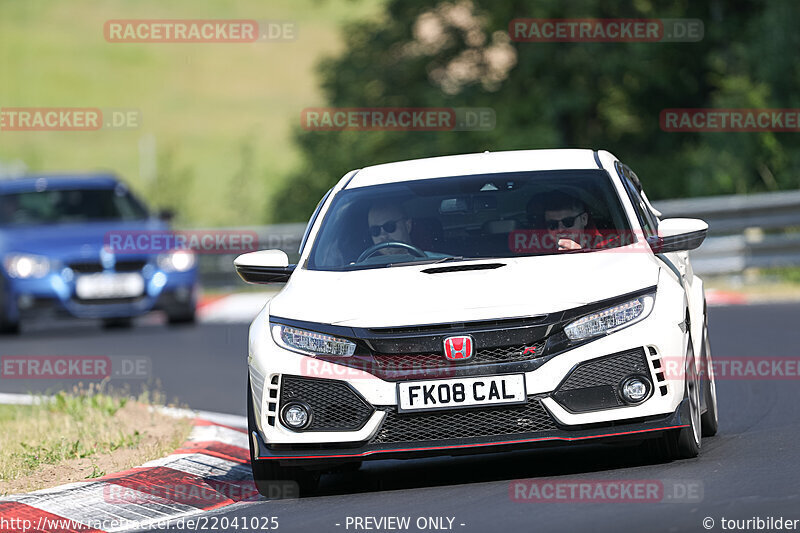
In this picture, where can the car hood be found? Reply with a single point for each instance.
(68, 241)
(386, 297)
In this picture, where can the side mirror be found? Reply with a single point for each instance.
(678, 235)
(166, 215)
(264, 266)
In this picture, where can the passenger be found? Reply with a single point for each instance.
(568, 223)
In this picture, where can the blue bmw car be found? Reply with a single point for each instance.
(55, 259)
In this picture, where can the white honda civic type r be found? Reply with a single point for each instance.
(478, 303)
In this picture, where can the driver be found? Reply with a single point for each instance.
(389, 223)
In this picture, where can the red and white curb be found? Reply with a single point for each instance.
(210, 470)
(232, 308)
(718, 298)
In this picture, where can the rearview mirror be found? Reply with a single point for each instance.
(678, 235)
(264, 266)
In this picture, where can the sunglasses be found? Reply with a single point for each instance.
(388, 227)
(567, 221)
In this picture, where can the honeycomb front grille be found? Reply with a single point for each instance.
(594, 385)
(464, 424)
(607, 370)
(334, 405)
(484, 356)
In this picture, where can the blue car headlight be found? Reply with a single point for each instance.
(177, 261)
(27, 266)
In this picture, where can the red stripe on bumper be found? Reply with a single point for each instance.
(455, 446)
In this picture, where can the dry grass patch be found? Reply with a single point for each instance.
(81, 435)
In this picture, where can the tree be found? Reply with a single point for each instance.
(552, 95)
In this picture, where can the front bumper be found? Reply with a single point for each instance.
(576, 391)
(308, 455)
(54, 296)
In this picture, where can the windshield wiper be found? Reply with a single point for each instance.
(430, 261)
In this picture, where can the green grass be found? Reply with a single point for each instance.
(77, 425)
(789, 275)
(83, 419)
(221, 114)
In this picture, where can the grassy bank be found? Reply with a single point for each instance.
(219, 115)
(80, 435)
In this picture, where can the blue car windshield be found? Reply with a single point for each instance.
(69, 206)
(465, 217)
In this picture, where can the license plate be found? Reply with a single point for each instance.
(461, 392)
(109, 285)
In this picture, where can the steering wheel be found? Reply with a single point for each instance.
(372, 250)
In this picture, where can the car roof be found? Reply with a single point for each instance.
(478, 163)
(38, 182)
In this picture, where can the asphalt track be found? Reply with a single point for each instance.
(750, 469)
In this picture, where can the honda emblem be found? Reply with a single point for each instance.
(458, 348)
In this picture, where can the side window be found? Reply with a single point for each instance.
(646, 218)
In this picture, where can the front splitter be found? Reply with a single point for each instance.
(651, 427)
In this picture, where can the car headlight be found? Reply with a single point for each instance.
(25, 266)
(611, 319)
(177, 261)
(311, 342)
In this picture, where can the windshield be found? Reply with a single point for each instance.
(69, 206)
(465, 217)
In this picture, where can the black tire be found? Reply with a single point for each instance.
(183, 317)
(7, 326)
(710, 419)
(117, 323)
(272, 480)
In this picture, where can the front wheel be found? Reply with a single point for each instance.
(7, 326)
(272, 480)
(710, 419)
(185, 316)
